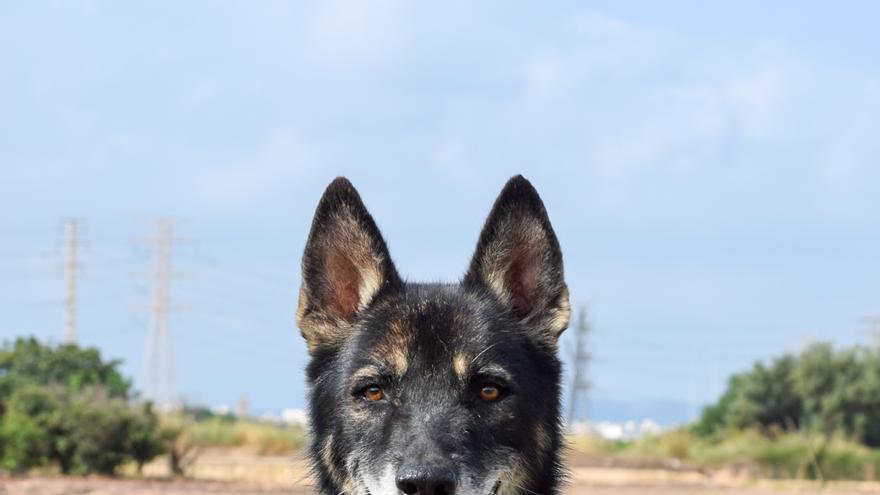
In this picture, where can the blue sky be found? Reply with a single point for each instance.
(712, 171)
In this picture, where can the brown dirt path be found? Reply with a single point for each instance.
(237, 474)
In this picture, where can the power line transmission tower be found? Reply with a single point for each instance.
(244, 407)
(71, 244)
(580, 359)
(873, 323)
(159, 367)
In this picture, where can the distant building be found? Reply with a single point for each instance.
(295, 417)
(221, 410)
(287, 417)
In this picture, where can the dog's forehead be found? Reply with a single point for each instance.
(431, 320)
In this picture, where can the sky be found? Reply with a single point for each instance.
(711, 170)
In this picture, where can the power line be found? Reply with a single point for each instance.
(55, 302)
(110, 331)
(28, 274)
(211, 265)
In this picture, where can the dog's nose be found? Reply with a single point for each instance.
(426, 479)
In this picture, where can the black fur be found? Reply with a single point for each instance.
(431, 349)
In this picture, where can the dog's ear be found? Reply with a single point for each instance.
(345, 267)
(519, 261)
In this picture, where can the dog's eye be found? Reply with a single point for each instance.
(373, 393)
(490, 393)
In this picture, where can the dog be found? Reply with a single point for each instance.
(434, 389)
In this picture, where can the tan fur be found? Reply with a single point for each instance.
(327, 459)
(542, 440)
(395, 357)
(317, 330)
(365, 372)
(394, 349)
(560, 315)
(398, 359)
(460, 365)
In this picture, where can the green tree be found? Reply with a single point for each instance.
(29, 360)
(715, 417)
(766, 398)
(24, 435)
(822, 389)
(66, 406)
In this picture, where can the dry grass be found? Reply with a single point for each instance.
(783, 456)
(254, 436)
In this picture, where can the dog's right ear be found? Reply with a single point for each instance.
(345, 267)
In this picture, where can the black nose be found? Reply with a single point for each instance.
(426, 479)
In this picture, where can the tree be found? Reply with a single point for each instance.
(68, 407)
(822, 389)
(98, 426)
(766, 398)
(24, 432)
(715, 416)
(29, 360)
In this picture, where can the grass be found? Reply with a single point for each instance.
(784, 455)
(260, 437)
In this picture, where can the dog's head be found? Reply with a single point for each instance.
(434, 389)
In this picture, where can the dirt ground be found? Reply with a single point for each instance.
(242, 474)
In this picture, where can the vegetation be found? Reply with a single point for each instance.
(260, 437)
(751, 452)
(65, 407)
(822, 391)
(813, 415)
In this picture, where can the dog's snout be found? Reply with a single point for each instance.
(426, 479)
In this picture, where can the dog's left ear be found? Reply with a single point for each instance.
(519, 261)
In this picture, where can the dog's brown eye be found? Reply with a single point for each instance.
(490, 393)
(373, 393)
